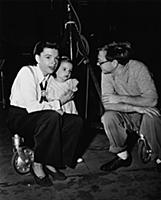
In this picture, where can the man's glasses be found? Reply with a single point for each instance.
(101, 63)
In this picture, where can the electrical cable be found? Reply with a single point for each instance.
(82, 44)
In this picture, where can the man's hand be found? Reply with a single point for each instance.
(111, 98)
(69, 95)
(147, 110)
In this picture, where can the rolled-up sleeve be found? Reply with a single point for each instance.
(146, 82)
(106, 84)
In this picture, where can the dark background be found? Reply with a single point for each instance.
(23, 23)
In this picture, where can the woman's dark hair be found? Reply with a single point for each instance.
(120, 51)
(42, 44)
(65, 59)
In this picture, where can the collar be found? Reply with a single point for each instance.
(119, 70)
(40, 75)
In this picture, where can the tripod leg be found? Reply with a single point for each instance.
(2, 83)
(2, 91)
(87, 90)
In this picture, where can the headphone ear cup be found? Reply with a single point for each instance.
(37, 59)
(35, 48)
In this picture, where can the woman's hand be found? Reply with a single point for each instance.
(69, 95)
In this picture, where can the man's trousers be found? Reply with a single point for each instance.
(54, 137)
(116, 125)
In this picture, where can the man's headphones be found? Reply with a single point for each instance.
(119, 50)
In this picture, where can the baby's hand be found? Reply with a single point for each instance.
(74, 83)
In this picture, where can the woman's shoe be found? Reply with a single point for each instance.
(80, 160)
(159, 167)
(45, 181)
(55, 175)
(158, 164)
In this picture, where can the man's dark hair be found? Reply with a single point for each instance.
(42, 44)
(120, 51)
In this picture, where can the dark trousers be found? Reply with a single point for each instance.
(55, 137)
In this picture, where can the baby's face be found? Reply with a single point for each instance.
(64, 71)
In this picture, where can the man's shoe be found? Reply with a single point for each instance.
(55, 175)
(116, 163)
(45, 181)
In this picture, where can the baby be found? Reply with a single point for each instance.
(63, 83)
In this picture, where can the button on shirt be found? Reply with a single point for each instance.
(26, 91)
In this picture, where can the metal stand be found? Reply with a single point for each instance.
(2, 101)
(72, 28)
(90, 72)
